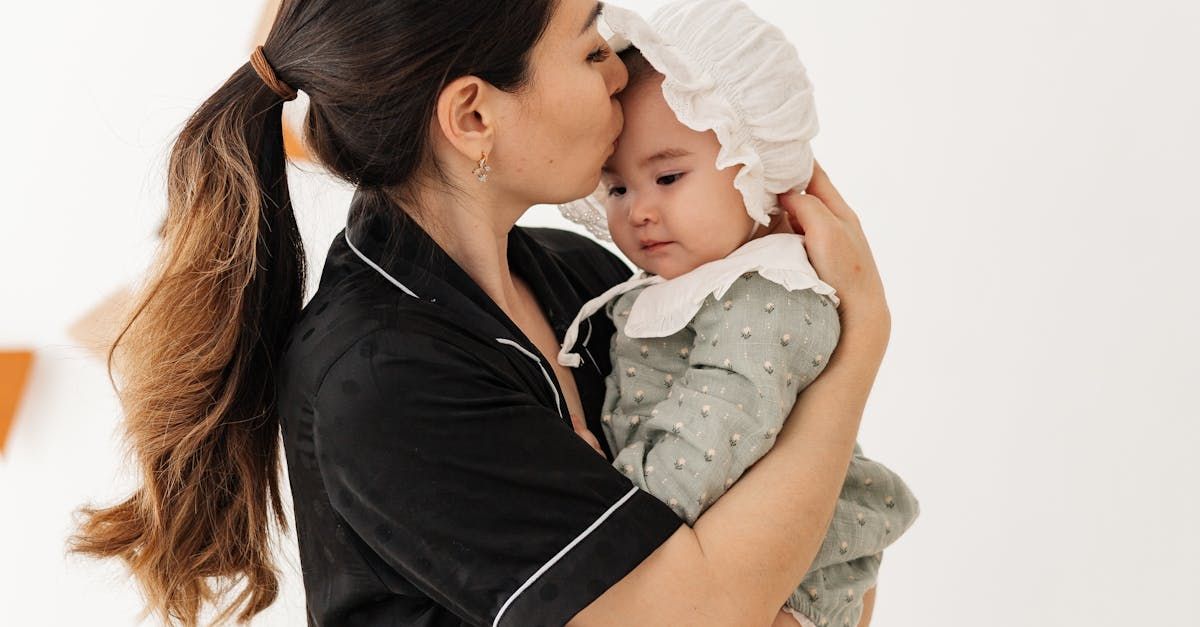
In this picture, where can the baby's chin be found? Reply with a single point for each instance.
(675, 260)
(667, 267)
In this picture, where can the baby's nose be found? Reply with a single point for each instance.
(642, 211)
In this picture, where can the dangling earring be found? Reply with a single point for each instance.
(483, 169)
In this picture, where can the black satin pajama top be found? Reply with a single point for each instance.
(435, 476)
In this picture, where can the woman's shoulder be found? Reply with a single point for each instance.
(350, 322)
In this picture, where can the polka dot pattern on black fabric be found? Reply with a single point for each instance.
(345, 499)
(385, 526)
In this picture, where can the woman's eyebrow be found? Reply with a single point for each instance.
(596, 11)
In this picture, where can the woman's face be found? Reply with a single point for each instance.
(561, 129)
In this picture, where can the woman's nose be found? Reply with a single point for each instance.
(616, 75)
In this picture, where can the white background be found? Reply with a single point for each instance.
(1026, 172)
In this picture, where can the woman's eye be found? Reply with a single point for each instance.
(616, 190)
(669, 178)
(600, 54)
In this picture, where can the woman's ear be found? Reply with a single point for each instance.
(466, 116)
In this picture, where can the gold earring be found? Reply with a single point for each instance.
(483, 169)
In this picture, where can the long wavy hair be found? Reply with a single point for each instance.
(197, 356)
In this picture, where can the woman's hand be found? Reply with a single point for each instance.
(838, 250)
(582, 431)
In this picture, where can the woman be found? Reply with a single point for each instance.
(437, 473)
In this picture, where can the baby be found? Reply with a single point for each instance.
(728, 321)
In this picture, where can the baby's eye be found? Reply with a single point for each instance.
(616, 190)
(669, 179)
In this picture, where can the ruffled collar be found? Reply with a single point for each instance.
(667, 306)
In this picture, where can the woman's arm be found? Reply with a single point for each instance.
(746, 553)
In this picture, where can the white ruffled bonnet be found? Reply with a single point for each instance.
(729, 71)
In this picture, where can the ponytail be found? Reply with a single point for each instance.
(198, 358)
(198, 362)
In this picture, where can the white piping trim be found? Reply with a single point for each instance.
(571, 337)
(553, 560)
(346, 236)
(549, 381)
(557, 405)
(589, 353)
(530, 355)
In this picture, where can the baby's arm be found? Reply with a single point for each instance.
(725, 412)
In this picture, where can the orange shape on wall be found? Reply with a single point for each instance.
(293, 147)
(14, 370)
(98, 328)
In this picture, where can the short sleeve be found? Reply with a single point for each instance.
(451, 471)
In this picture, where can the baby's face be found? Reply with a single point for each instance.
(669, 208)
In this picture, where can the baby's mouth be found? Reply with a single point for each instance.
(653, 245)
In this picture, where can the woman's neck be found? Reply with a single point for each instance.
(473, 230)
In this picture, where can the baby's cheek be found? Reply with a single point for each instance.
(716, 245)
(624, 241)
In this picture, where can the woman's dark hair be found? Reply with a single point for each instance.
(197, 357)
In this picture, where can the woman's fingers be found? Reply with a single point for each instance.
(582, 431)
(788, 203)
(591, 439)
(805, 212)
(838, 248)
(821, 187)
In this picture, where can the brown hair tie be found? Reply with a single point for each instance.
(258, 60)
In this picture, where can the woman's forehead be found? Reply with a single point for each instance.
(572, 29)
(573, 19)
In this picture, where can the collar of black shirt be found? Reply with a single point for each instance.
(405, 251)
(406, 254)
(561, 279)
